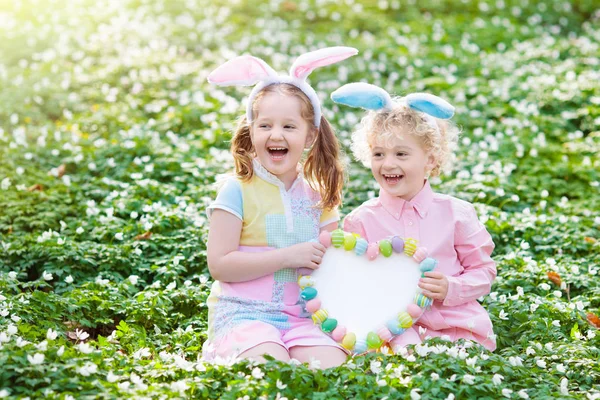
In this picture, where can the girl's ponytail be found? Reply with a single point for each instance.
(323, 167)
(242, 150)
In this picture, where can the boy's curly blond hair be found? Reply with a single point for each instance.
(384, 125)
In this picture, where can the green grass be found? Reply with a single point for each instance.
(108, 130)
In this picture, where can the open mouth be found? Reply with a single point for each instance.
(277, 153)
(392, 179)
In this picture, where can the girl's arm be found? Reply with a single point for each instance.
(474, 246)
(227, 264)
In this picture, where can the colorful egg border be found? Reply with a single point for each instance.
(390, 329)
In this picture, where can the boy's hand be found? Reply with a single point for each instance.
(305, 255)
(434, 285)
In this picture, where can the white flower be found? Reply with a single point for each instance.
(42, 346)
(79, 230)
(450, 397)
(434, 376)
(381, 382)
(556, 323)
(119, 236)
(133, 279)
(171, 286)
(112, 377)
(468, 379)
(280, 385)
(314, 363)
(541, 363)
(51, 334)
(47, 276)
(69, 279)
(87, 369)
(85, 348)
(530, 351)
(15, 318)
(12, 275)
(564, 382)
(81, 335)
(37, 359)
(515, 361)
(560, 368)
(472, 361)
(376, 367)
(60, 351)
(12, 329)
(141, 353)
(523, 394)
(257, 373)
(4, 393)
(503, 315)
(414, 395)
(497, 379)
(5, 183)
(506, 393)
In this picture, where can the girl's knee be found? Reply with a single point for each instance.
(274, 350)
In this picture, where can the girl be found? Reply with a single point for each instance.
(265, 221)
(404, 141)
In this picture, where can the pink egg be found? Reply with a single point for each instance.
(325, 238)
(372, 251)
(414, 311)
(338, 333)
(420, 254)
(385, 334)
(313, 305)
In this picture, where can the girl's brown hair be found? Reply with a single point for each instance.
(322, 169)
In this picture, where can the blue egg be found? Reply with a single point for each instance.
(361, 246)
(428, 264)
(360, 346)
(395, 327)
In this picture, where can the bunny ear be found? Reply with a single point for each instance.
(430, 104)
(306, 63)
(241, 71)
(362, 95)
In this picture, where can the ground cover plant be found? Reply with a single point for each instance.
(111, 140)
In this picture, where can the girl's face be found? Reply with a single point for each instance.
(401, 165)
(280, 134)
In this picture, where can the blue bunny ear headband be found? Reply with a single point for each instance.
(371, 97)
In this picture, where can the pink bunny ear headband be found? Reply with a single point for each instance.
(249, 70)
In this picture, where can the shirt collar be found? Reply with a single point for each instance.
(265, 175)
(396, 205)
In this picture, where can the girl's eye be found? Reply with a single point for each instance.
(401, 154)
(377, 154)
(263, 126)
(289, 127)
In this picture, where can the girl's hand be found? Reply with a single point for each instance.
(305, 255)
(434, 285)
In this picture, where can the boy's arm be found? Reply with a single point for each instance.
(474, 246)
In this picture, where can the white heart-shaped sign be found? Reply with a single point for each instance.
(366, 294)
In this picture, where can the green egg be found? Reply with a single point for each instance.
(337, 238)
(329, 325)
(349, 241)
(308, 293)
(385, 247)
(373, 340)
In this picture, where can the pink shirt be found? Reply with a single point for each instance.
(451, 232)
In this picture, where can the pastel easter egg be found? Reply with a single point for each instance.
(385, 334)
(414, 311)
(329, 325)
(337, 238)
(385, 247)
(373, 341)
(428, 264)
(410, 246)
(398, 244)
(305, 281)
(405, 319)
(349, 341)
(308, 293)
(349, 241)
(422, 301)
(360, 346)
(372, 251)
(313, 305)
(420, 254)
(394, 327)
(319, 316)
(338, 333)
(361, 246)
(325, 238)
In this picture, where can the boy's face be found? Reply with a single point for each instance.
(400, 165)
